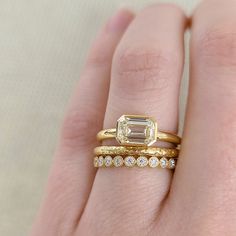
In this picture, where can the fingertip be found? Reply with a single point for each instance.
(120, 20)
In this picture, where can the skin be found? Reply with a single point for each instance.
(145, 52)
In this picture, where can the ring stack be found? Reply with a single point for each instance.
(135, 135)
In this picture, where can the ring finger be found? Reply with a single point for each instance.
(146, 73)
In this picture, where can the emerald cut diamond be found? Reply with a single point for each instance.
(136, 130)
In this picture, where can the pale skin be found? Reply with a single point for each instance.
(135, 67)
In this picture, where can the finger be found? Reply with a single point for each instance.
(205, 177)
(147, 68)
(72, 173)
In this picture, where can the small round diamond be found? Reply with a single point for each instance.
(95, 162)
(153, 162)
(130, 161)
(163, 162)
(118, 161)
(108, 161)
(142, 161)
(100, 161)
(172, 163)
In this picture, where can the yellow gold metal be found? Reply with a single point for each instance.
(136, 130)
(131, 161)
(136, 151)
(161, 136)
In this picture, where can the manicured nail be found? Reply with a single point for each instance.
(120, 20)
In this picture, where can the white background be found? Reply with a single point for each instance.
(42, 48)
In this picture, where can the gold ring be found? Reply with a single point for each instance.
(131, 161)
(136, 130)
(136, 151)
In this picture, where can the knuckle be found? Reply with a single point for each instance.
(217, 46)
(143, 69)
(79, 130)
(98, 60)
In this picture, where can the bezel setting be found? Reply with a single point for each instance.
(130, 161)
(136, 130)
(134, 161)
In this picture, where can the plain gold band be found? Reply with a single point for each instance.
(136, 151)
(161, 136)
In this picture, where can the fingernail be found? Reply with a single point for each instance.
(120, 20)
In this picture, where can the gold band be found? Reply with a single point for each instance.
(136, 134)
(161, 136)
(131, 161)
(136, 151)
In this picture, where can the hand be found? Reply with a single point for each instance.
(136, 67)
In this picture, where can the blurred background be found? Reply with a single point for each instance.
(42, 48)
